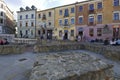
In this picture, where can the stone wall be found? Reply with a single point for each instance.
(70, 66)
(108, 51)
(12, 49)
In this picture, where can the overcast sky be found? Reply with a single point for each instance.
(14, 5)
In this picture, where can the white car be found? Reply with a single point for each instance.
(118, 42)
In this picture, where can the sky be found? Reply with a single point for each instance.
(15, 5)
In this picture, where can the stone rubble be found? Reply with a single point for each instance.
(70, 66)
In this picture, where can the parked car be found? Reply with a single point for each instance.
(3, 41)
(118, 42)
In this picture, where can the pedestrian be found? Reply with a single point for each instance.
(79, 38)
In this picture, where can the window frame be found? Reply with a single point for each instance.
(26, 16)
(73, 20)
(99, 20)
(60, 12)
(60, 22)
(115, 18)
(99, 5)
(91, 6)
(80, 22)
(72, 10)
(80, 8)
(116, 3)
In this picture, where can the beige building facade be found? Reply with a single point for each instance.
(45, 23)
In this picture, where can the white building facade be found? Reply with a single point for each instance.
(26, 25)
(6, 19)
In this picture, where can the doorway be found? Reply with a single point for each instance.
(65, 34)
(49, 34)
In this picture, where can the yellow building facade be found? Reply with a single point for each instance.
(65, 22)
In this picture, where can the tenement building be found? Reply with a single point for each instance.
(65, 22)
(26, 22)
(6, 19)
(45, 23)
(94, 19)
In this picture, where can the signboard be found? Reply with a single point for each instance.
(106, 30)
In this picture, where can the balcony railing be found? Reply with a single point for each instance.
(66, 15)
(91, 11)
(91, 24)
(66, 25)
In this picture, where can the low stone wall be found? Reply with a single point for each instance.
(12, 49)
(70, 66)
(112, 52)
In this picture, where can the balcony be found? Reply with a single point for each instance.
(66, 15)
(91, 11)
(91, 24)
(66, 25)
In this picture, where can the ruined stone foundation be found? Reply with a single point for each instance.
(70, 66)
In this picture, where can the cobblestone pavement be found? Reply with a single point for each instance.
(17, 67)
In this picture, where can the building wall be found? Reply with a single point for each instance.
(6, 18)
(49, 22)
(31, 30)
(85, 27)
(62, 27)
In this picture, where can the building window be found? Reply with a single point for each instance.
(60, 33)
(91, 18)
(66, 14)
(32, 16)
(72, 21)
(116, 2)
(99, 5)
(31, 32)
(116, 16)
(39, 15)
(49, 23)
(99, 31)
(26, 16)
(32, 24)
(60, 22)
(21, 33)
(1, 21)
(72, 10)
(2, 6)
(44, 17)
(99, 18)
(1, 14)
(72, 32)
(49, 14)
(20, 17)
(91, 7)
(80, 19)
(66, 22)
(26, 32)
(60, 12)
(26, 24)
(91, 32)
(38, 32)
(20, 24)
(80, 8)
